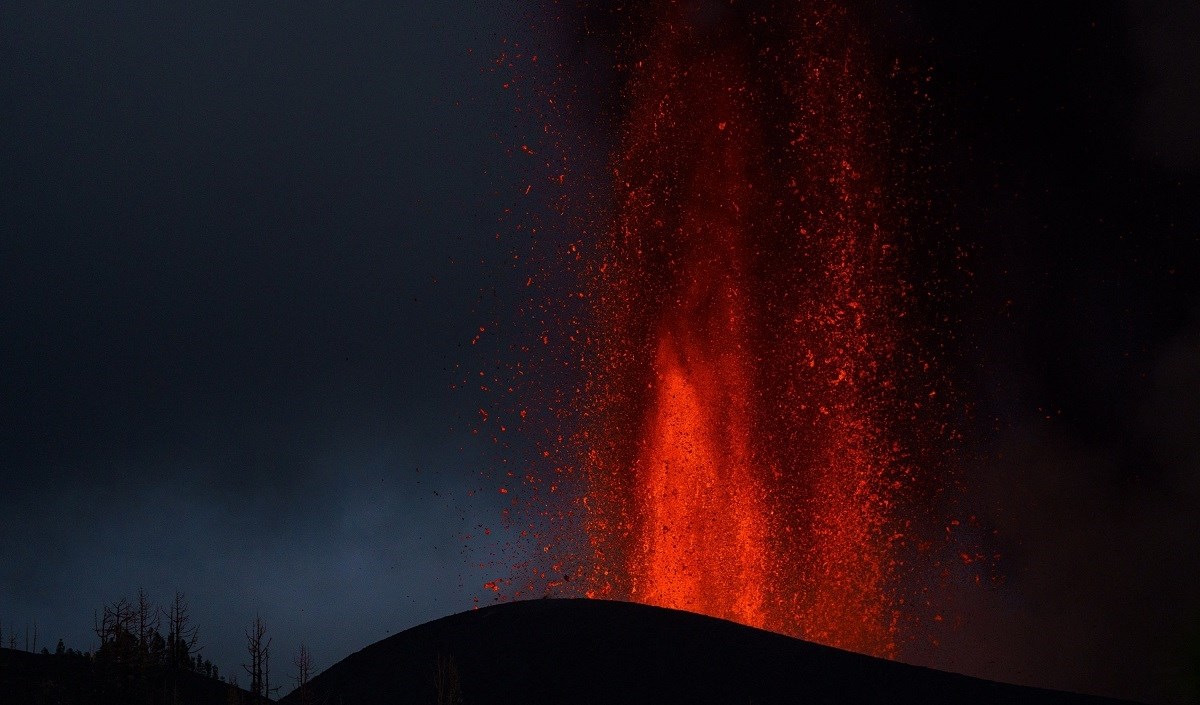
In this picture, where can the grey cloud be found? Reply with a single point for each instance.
(1165, 35)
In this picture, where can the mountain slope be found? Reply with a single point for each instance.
(592, 651)
(74, 679)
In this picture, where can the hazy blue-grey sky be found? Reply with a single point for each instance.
(243, 252)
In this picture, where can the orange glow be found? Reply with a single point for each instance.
(702, 521)
(743, 413)
(704, 525)
(734, 405)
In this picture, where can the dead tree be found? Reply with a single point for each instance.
(304, 666)
(182, 640)
(147, 627)
(267, 689)
(182, 635)
(116, 631)
(116, 656)
(258, 645)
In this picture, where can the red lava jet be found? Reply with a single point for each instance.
(750, 400)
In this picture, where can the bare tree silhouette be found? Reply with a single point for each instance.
(258, 645)
(304, 666)
(182, 635)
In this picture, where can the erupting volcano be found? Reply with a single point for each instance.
(753, 395)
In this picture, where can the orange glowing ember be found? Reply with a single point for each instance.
(704, 524)
(750, 389)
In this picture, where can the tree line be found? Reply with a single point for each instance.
(146, 651)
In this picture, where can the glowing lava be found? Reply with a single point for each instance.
(702, 518)
(750, 391)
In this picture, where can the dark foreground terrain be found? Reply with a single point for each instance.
(74, 679)
(615, 653)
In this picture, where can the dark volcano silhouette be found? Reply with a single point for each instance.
(594, 651)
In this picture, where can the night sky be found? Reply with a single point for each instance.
(244, 252)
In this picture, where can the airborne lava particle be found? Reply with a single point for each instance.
(760, 426)
(749, 402)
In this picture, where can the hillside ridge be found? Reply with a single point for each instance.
(597, 651)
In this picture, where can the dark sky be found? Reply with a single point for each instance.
(1081, 159)
(1074, 161)
(243, 253)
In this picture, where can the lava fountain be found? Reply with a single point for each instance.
(752, 395)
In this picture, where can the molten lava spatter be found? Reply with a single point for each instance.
(750, 394)
(702, 522)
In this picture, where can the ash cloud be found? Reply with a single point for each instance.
(1165, 39)
(1073, 150)
(1099, 556)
